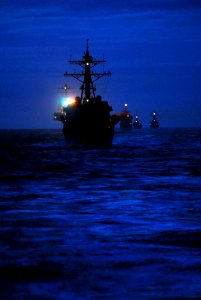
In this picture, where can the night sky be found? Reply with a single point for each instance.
(152, 48)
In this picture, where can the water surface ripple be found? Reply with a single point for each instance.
(118, 223)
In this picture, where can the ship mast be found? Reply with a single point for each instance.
(87, 77)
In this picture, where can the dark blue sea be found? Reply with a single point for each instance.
(117, 223)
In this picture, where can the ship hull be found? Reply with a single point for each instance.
(137, 126)
(126, 124)
(89, 124)
(154, 125)
(91, 137)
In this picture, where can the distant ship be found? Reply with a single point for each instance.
(125, 119)
(137, 124)
(86, 119)
(154, 122)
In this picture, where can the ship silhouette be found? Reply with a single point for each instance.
(87, 119)
(137, 124)
(154, 122)
(125, 119)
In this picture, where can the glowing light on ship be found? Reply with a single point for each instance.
(67, 101)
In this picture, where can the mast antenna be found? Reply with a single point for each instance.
(87, 77)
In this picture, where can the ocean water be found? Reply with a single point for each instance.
(118, 223)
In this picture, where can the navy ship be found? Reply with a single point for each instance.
(154, 122)
(87, 119)
(137, 124)
(125, 119)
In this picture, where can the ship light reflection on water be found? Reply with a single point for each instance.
(67, 101)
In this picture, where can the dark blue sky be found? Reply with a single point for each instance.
(152, 48)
